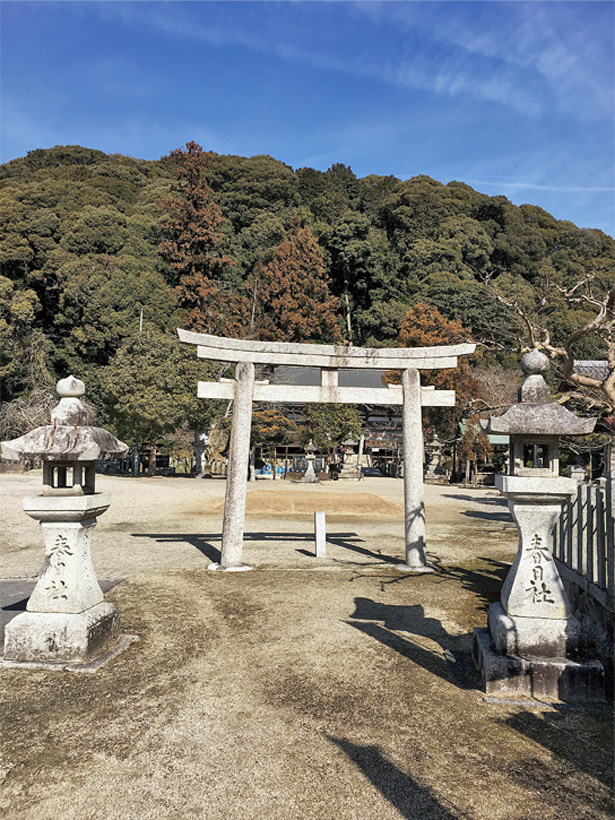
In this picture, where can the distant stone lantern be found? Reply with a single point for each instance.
(350, 464)
(434, 458)
(310, 476)
(66, 618)
(534, 644)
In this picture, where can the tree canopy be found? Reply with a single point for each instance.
(93, 245)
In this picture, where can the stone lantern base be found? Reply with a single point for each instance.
(550, 679)
(536, 657)
(58, 637)
(67, 620)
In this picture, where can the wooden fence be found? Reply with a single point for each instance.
(583, 541)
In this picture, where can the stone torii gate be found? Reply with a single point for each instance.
(243, 390)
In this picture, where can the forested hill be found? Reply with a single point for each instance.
(81, 258)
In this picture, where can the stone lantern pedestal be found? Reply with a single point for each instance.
(534, 646)
(66, 619)
(350, 466)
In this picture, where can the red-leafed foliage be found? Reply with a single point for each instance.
(295, 303)
(193, 232)
(425, 326)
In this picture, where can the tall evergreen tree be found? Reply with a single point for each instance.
(193, 234)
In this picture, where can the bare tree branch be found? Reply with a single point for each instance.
(602, 323)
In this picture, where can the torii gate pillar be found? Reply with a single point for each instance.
(414, 497)
(237, 478)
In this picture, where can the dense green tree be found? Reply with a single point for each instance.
(149, 389)
(357, 258)
(98, 230)
(100, 306)
(245, 189)
(328, 425)
(20, 345)
(271, 429)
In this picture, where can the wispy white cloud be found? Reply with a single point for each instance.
(563, 48)
(533, 186)
(425, 69)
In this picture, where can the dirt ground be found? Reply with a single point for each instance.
(315, 689)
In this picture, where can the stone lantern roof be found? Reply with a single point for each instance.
(536, 414)
(68, 438)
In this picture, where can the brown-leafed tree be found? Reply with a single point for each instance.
(425, 326)
(474, 447)
(292, 292)
(193, 233)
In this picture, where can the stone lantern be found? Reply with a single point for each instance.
(66, 618)
(533, 645)
(350, 465)
(310, 476)
(434, 469)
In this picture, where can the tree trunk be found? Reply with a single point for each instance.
(151, 470)
(348, 317)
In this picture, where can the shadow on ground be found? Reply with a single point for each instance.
(567, 743)
(492, 501)
(484, 582)
(384, 622)
(203, 542)
(501, 515)
(411, 800)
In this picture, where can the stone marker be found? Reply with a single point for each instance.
(66, 618)
(320, 534)
(534, 645)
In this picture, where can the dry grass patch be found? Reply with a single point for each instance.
(300, 502)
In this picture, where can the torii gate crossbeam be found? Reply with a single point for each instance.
(329, 358)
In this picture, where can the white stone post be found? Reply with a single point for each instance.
(360, 456)
(320, 534)
(414, 498)
(237, 475)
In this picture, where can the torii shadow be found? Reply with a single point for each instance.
(206, 543)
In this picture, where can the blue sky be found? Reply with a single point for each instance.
(513, 98)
